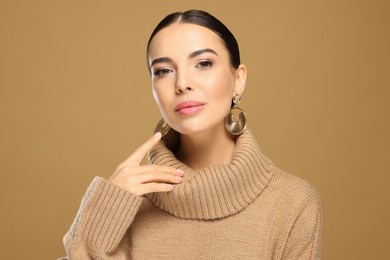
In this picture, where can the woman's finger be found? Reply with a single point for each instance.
(140, 153)
(160, 177)
(133, 176)
(134, 170)
(151, 187)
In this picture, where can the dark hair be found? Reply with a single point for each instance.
(204, 19)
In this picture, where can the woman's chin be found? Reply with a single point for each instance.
(199, 130)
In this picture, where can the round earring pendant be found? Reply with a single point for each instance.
(236, 121)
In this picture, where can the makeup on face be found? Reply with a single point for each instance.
(189, 107)
(192, 79)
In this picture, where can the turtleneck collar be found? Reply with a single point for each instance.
(216, 191)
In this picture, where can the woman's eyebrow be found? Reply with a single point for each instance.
(192, 55)
(160, 60)
(196, 53)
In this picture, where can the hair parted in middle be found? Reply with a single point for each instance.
(208, 21)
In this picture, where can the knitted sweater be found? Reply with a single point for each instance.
(247, 209)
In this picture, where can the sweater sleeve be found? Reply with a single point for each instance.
(304, 238)
(105, 214)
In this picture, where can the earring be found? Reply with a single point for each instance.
(162, 127)
(236, 127)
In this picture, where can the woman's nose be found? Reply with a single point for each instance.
(183, 83)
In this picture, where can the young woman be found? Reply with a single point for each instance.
(209, 192)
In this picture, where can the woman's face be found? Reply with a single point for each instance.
(192, 78)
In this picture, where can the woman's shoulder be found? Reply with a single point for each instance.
(292, 190)
(296, 213)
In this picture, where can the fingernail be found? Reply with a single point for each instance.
(157, 135)
(179, 178)
(180, 171)
(170, 186)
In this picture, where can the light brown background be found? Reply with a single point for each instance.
(76, 100)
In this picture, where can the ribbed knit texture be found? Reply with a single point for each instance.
(248, 209)
(216, 191)
(102, 219)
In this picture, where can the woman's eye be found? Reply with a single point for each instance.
(204, 64)
(161, 72)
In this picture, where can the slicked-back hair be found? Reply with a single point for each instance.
(208, 21)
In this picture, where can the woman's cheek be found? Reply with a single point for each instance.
(159, 98)
(163, 99)
(221, 88)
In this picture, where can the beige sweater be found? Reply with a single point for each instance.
(247, 209)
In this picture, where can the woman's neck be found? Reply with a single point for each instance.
(215, 146)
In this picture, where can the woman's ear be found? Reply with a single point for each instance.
(240, 79)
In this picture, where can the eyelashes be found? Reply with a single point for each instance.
(164, 71)
(161, 72)
(204, 64)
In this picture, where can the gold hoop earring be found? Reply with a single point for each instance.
(162, 127)
(236, 127)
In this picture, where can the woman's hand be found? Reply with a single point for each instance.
(140, 180)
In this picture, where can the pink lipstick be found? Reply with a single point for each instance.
(189, 107)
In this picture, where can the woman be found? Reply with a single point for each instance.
(209, 192)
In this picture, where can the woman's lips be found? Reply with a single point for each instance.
(189, 107)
